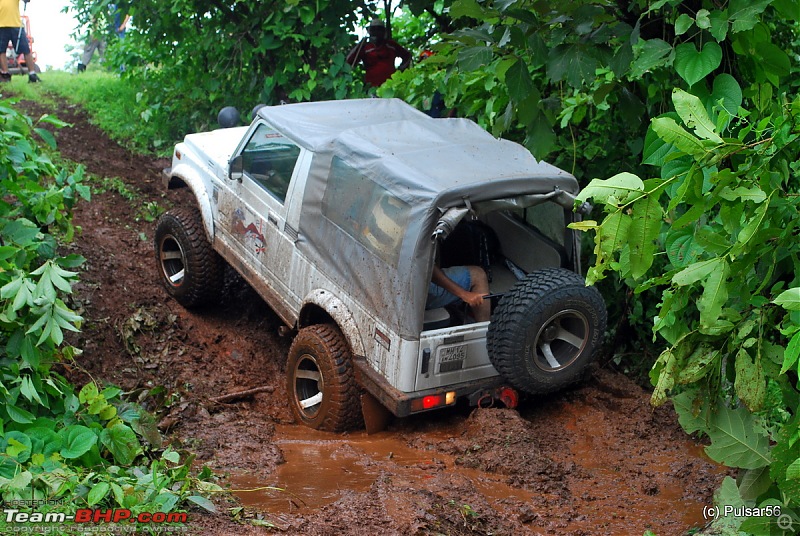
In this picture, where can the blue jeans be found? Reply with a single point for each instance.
(439, 297)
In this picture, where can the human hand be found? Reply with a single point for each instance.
(473, 299)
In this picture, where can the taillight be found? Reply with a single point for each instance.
(433, 401)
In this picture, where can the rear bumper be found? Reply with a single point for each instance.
(399, 403)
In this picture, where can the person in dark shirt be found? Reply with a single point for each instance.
(378, 53)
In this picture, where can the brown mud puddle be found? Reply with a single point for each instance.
(320, 466)
(601, 488)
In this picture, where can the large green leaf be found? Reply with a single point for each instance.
(789, 299)
(17, 446)
(719, 25)
(715, 295)
(98, 493)
(693, 65)
(644, 230)
(750, 383)
(744, 13)
(518, 81)
(76, 441)
(773, 61)
(752, 193)
(617, 190)
(696, 272)
(789, 9)
(19, 415)
(121, 442)
(735, 441)
(682, 247)
(752, 226)
(702, 361)
(727, 90)
(473, 58)
(791, 354)
(694, 115)
(468, 8)
(202, 502)
(754, 482)
(655, 149)
(683, 23)
(573, 63)
(784, 454)
(664, 374)
(669, 131)
(44, 441)
(727, 496)
(611, 234)
(653, 54)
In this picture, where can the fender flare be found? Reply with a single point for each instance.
(340, 314)
(189, 177)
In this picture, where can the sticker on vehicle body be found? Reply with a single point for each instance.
(250, 233)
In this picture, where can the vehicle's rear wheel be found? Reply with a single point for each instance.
(544, 333)
(320, 381)
(192, 272)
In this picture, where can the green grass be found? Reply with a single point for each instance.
(112, 102)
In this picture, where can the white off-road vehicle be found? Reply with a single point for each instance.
(335, 212)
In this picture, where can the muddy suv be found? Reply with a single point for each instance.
(335, 212)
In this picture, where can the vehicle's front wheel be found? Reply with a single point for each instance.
(192, 272)
(544, 333)
(320, 381)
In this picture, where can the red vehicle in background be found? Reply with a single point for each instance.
(16, 62)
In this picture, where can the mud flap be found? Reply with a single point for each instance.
(376, 416)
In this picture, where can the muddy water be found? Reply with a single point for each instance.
(616, 497)
(319, 466)
(613, 489)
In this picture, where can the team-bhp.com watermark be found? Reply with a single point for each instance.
(87, 520)
(783, 521)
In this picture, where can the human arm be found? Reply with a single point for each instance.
(354, 55)
(473, 299)
(124, 24)
(404, 55)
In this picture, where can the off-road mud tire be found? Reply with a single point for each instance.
(181, 245)
(323, 355)
(539, 315)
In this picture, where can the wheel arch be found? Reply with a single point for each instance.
(321, 307)
(184, 176)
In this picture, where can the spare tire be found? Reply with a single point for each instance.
(545, 331)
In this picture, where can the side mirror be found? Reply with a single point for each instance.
(236, 168)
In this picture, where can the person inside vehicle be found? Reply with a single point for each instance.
(378, 54)
(460, 283)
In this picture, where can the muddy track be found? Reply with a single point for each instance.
(596, 459)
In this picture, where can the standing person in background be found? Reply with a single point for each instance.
(99, 32)
(11, 29)
(378, 54)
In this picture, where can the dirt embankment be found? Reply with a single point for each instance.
(596, 459)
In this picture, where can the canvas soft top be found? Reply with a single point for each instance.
(432, 165)
(417, 156)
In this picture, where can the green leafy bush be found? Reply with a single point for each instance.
(722, 214)
(56, 442)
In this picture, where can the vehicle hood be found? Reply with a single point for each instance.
(217, 145)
